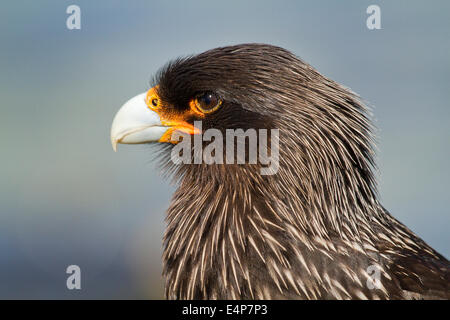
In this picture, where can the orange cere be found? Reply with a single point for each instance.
(169, 118)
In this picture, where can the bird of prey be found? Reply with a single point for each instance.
(314, 229)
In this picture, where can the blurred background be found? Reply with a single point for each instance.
(65, 196)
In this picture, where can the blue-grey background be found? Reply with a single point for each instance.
(67, 198)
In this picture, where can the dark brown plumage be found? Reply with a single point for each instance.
(315, 229)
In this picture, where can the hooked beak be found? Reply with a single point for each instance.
(135, 123)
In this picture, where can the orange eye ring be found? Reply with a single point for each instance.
(207, 102)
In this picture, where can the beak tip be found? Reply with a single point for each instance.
(114, 144)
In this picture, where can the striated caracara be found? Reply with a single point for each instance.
(310, 229)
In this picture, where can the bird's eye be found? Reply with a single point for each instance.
(152, 99)
(208, 102)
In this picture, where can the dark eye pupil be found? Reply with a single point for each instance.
(208, 100)
(155, 102)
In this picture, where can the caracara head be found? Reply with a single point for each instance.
(227, 88)
(323, 128)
